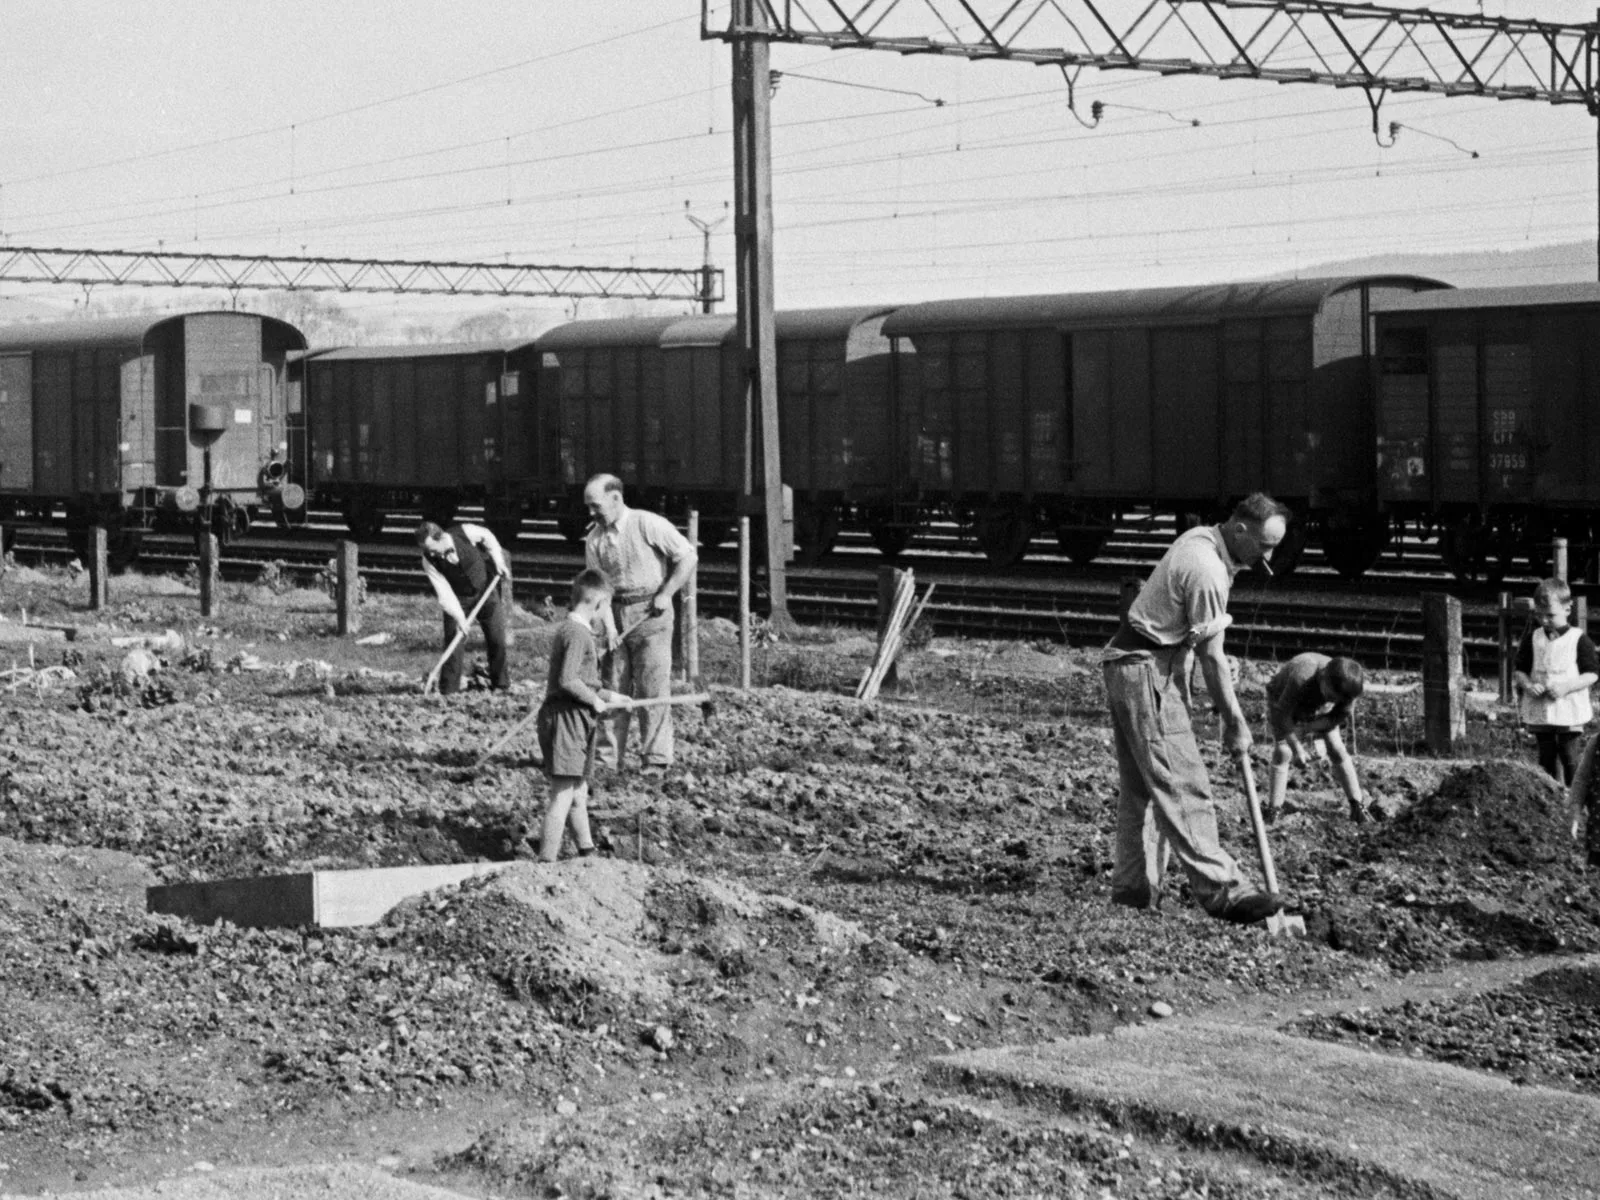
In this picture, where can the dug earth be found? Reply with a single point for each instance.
(759, 986)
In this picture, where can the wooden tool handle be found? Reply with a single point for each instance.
(657, 701)
(1247, 775)
(432, 680)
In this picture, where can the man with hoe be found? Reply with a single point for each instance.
(646, 560)
(461, 562)
(1165, 802)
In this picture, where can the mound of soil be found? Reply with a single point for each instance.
(1488, 813)
(1481, 866)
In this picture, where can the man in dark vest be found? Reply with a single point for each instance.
(461, 562)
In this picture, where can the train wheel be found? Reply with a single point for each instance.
(891, 540)
(78, 542)
(364, 522)
(441, 510)
(504, 519)
(1082, 537)
(1003, 535)
(1470, 551)
(1289, 552)
(715, 533)
(122, 547)
(816, 529)
(573, 526)
(291, 520)
(1352, 547)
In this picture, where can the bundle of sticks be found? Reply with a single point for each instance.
(903, 614)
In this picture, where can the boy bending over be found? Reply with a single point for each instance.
(1312, 694)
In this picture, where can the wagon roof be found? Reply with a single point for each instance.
(1280, 297)
(422, 350)
(110, 332)
(614, 331)
(1534, 296)
(704, 329)
(712, 329)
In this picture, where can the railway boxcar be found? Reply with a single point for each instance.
(422, 428)
(1488, 421)
(1060, 412)
(136, 421)
(659, 401)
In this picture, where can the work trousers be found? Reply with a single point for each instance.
(492, 620)
(1164, 808)
(641, 667)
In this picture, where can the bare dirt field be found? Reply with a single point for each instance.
(743, 995)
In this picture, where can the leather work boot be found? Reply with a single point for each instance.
(1252, 907)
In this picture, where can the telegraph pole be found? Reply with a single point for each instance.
(752, 235)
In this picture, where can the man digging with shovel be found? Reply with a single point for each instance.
(1165, 805)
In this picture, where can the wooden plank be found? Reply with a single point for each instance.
(323, 899)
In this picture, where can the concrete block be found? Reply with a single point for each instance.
(321, 899)
(12, 633)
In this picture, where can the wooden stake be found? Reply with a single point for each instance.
(691, 606)
(347, 588)
(1444, 715)
(209, 599)
(97, 567)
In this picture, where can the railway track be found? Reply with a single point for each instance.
(1382, 629)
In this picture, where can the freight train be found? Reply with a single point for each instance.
(132, 423)
(1370, 404)
(1013, 417)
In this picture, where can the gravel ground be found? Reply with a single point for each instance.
(819, 898)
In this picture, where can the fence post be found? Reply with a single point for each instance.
(1444, 717)
(744, 603)
(1558, 557)
(347, 587)
(97, 567)
(691, 606)
(209, 597)
(1506, 651)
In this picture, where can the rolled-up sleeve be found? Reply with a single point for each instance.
(662, 536)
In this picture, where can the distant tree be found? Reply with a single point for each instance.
(321, 318)
(484, 327)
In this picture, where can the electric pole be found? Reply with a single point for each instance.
(708, 298)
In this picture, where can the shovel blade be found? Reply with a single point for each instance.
(1286, 925)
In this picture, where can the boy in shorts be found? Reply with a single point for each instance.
(1312, 694)
(568, 718)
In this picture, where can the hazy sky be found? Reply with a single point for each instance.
(576, 131)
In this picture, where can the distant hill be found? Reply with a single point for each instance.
(1572, 262)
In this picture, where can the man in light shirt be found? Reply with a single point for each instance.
(1164, 808)
(461, 562)
(646, 560)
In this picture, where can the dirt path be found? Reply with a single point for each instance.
(1425, 1128)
